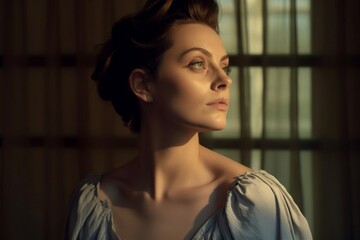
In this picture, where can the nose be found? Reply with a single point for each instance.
(222, 81)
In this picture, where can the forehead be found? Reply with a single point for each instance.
(186, 36)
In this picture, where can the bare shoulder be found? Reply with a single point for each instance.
(222, 165)
(113, 184)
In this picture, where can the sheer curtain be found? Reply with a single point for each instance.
(294, 106)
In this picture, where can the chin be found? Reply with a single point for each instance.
(212, 127)
(219, 124)
(204, 125)
(218, 128)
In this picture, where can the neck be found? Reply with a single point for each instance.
(168, 160)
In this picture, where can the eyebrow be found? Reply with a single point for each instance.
(204, 51)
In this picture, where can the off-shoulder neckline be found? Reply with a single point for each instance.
(105, 202)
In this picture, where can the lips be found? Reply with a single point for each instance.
(220, 104)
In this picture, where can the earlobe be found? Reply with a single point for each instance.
(139, 84)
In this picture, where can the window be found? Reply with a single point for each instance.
(269, 121)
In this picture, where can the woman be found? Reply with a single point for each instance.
(165, 69)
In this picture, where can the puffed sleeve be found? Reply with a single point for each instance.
(89, 217)
(259, 207)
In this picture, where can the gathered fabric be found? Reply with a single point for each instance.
(257, 207)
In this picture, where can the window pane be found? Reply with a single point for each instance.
(278, 33)
(255, 160)
(227, 26)
(36, 86)
(69, 104)
(256, 101)
(278, 24)
(307, 185)
(304, 95)
(254, 26)
(277, 123)
(303, 26)
(232, 129)
(277, 163)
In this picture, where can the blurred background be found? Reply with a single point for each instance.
(295, 106)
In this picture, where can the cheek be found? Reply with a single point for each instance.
(183, 92)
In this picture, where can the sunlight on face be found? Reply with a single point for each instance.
(192, 88)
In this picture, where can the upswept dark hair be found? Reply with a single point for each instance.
(138, 41)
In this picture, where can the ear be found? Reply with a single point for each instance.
(140, 84)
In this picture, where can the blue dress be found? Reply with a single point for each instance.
(257, 207)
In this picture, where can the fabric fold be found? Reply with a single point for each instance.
(257, 207)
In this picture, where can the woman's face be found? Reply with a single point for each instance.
(192, 85)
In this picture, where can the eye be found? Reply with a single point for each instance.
(227, 69)
(197, 64)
